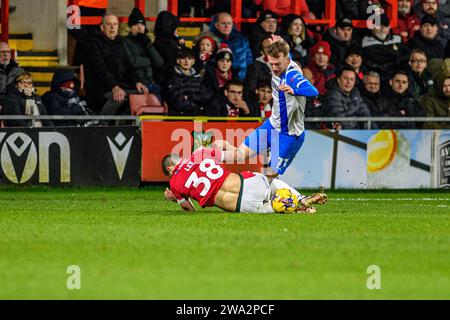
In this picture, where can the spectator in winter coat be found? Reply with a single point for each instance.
(141, 53)
(63, 98)
(184, 91)
(218, 71)
(22, 100)
(426, 39)
(430, 7)
(420, 79)
(437, 101)
(382, 51)
(222, 26)
(9, 70)
(293, 31)
(340, 39)
(267, 23)
(344, 100)
(109, 73)
(322, 70)
(408, 22)
(353, 58)
(167, 42)
(401, 103)
(373, 97)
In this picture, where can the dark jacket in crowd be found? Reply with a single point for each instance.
(238, 43)
(377, 103)
(299, 50)
(436, 104)
(316, 108)
(384, 56)
(255, 39)
(210, 79)
(340, 104)
(166, 42)
(338, 47)
(404, 105)
(108, 66)
(186, 95)
(257, 72)
(15, 103)
(143, 56)
(419, 84)
(432, 48)
(8, 76)
(219, 108)
(64, 102)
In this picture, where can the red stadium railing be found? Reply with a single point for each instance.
(5, 20)
(236, 12)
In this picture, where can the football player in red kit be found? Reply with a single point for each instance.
(204, 179)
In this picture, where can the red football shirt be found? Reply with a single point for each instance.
(199, 177)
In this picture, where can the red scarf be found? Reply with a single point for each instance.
(220, 79)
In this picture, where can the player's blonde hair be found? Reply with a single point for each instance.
(277, 48)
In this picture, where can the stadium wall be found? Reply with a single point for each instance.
(130, 155)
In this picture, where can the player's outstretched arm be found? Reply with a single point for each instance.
(187, 205)
(301, 86)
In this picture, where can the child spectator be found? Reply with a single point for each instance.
(234, 104)
(218, 71)
(184, 91)
(204, 49)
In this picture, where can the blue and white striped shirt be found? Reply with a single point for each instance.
(288, 111)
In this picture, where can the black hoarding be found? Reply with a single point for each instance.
(96, 156)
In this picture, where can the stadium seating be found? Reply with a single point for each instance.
(141, 104)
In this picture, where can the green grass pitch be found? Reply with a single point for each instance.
(132, 244)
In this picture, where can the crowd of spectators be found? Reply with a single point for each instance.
(378, 71)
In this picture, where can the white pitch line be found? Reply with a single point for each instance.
(391, 199)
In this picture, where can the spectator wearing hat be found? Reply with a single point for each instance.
(353, 58)
(222, 26)
(141, 53)
(420, 79)
(184, 90)
(344, 100)
(167, 42)
(407, 22)
(293, 31)
(267, 23)
(340, 39)
(218, 71)
(322, 70)
(426, 38)
(204, 49)
(432, 7)
(23, 100)
(382, 51)
(284, 7)
(63, 98)
(401, 103)
(259, 71)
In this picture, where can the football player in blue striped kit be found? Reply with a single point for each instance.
(284, 132)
